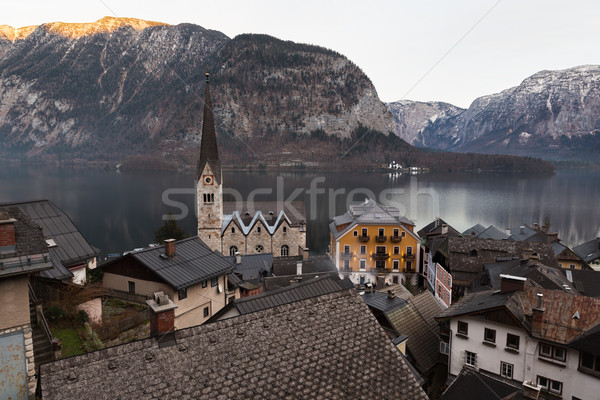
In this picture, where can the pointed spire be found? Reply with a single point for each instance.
(209, 152)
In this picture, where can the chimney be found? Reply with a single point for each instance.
(538, 316)
(444, 229)
(299, 268)
(536, 226)
(507, 231)
(305, 253)
(162, 314)
(391, 295)
(238, 258)
(7, 231)
(170, 247)
(522, 229)
(510, 283)
(437, 221)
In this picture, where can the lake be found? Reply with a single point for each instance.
(121, 211)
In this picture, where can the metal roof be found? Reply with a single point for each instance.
(253, 266)
(72, 248)
(301, 291)
(474, 385)
(192, 263)
(588, 251)
(381, 302)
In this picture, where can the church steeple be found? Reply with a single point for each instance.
(209, 152)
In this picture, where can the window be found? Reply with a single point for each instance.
(285, 229)
(381, 232)
(204, 284)
(395, 279)
(549, 385)
(512, 341)
(552, 352)
(445, 348)
(347, 264)
(489, 335)
(232, 230)
(258, 229)
(396, 250)
(230, 300)
(285, 250)
(182, 294)
(346, 249)
(506, 369)
(214, 282)
(396, 232)
(233, 250)
(589, 363)
(380, 250)
(463, 328)
(403, 234)
(396, 264)
(471, 358)
(572, 266)
(409, 250)
(206, 312)
(380, 264)
(259, 249)
(409, 265)
(131, 286)
(209, 197)
(364, 231)
(363, 263)
(355, 233)
(363, 249)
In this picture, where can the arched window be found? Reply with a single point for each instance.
(259, 249)
(233, 250)
(285, 250)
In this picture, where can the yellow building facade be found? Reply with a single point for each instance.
(372, 240)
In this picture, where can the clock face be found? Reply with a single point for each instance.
(208, 179)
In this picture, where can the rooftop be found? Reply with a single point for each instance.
(308, 349)
(588, 251)
(474, 385)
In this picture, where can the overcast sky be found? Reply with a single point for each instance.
(444, 50)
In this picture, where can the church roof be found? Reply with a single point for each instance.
(270, 213)
(209, 151)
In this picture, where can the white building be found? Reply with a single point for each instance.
(546, 340)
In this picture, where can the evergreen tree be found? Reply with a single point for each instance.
(169, 230)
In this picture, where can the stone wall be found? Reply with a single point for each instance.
(210, 214)
(293, 237)
(14, 302)
(29, 358)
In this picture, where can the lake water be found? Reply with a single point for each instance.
(121, 211)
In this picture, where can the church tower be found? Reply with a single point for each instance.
(209, 185)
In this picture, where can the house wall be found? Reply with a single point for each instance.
(443, 285)
(142, 286)
(14, 302)
(338, 254)
(527, 363)
(190, 311)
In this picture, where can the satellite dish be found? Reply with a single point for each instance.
(219, 288)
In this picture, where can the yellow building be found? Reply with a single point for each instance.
(373, 240)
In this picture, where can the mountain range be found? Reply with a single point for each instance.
(120, 88)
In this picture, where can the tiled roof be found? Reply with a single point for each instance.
(474, 385)
(588, 251)
(30, 253)
(253, 266)
(193, 263)
(417, 320)
(310, 349)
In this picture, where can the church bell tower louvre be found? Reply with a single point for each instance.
(209, 181)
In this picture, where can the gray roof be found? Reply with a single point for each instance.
(417, 320)
(300, 291)
(586, 282)
(474, 230)
(381, 302)
(253, 266)
(287, 265)
(71, 249)
(542, 275)
(528, 234)
(492, 233)
(474, 385)
(30, 253)
(588, 251)
(193, 263)
(308, 349)
(278, 282)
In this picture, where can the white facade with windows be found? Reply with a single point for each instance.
(509, 351)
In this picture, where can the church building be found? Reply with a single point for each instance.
(276, 227)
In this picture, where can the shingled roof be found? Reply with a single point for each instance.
(309, 349)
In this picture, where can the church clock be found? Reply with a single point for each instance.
(208, 179)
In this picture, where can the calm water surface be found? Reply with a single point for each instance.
(121, 211)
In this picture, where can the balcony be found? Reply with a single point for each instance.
(346, 255)
(409, 256)
(396, 239)
(364, 238)
(380, 239)
(380, 256)
(380, 270)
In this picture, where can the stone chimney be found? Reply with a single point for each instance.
(305, 253)
(510, 283)
(522, 229)
(536, 226)
(162, 314)
(537, 318)
(170, 247)
(238, 258)
(391, 295)
(7, 231)
(299, 268)
(444, 229)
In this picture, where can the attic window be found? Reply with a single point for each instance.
(284, 229)
(232, 230)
